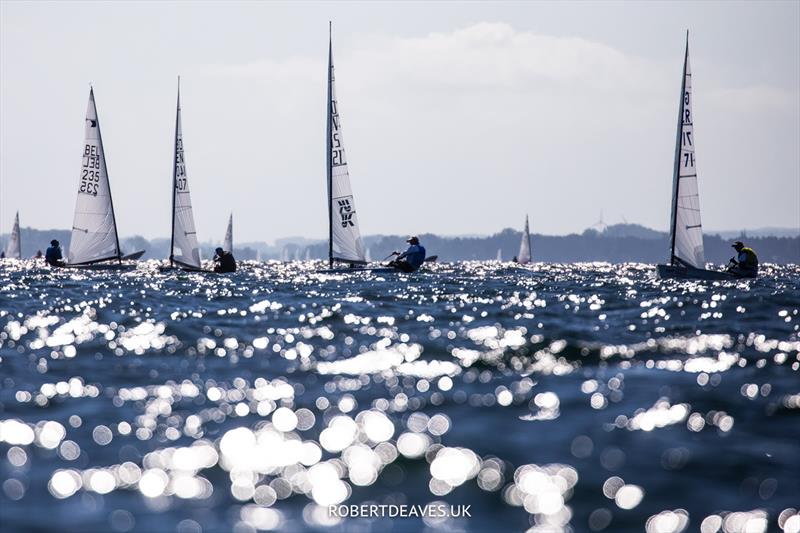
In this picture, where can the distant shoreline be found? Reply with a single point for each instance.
(616, 244)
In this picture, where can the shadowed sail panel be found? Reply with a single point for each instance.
(525, 245)
(346, 243)
(94, 230)
(185, 250)
(687, 231)
(227, 244)
(13, 250)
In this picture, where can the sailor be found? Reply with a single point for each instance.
(53, 255)
(745, 264)
(412, 258)
(224, 261)
(38, 254)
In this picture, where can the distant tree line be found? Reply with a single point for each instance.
(615, 244)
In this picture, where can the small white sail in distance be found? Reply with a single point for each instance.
(525, 245)
(345, 243)
(184, 249)
(13, 248)
(686, 228)
(94, 229)
(227, 244)
(499, 254)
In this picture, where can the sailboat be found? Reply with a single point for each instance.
(94, 242)
(524, 256)
(227, 244)
(499, 257)
(184, 252)
(687, 257)
(344, 237)
(13, 248)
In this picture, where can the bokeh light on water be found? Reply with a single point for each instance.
(556, 398)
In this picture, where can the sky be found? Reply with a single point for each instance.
(457, 118)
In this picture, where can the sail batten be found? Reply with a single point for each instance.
(13, 248)
(184, 250)
(94, 229)
(525, 245)
(686, 231)
(345, 243)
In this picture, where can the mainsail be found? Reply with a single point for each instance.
(184, 250)
(345, 242)
(13, 247)
(686, 232)
(227, 244)
(94, 228)
(525, 245)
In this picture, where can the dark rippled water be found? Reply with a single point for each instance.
(560, 397)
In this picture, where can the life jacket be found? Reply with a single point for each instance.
(751, 260)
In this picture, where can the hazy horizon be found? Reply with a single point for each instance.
(458, 118)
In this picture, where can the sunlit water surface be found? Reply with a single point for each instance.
(585, 397)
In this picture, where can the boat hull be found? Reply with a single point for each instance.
(103, 266)
(134, 256)
(688, 272)
(348, 270)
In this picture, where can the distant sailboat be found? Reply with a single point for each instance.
(13, 248)
(499, 255)
(308, 253)
(228, 242)
(524, 256)
(184, 252)
(687, 257)
(344, 237)
(368, 256)
(94, 238)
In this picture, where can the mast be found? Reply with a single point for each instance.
(174, 176)
(676, 169)
(108, 181)
(328, 146)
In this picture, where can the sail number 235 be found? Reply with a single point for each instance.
(90, 173)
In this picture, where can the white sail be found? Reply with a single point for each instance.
(185, 250)
(368, 256)
(686, 229)
(227, 244)
(345, 237)
(525, 245)
(499, 254)
(308, 254)
(13, 246)
(94, 229)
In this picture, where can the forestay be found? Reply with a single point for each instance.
(13, 248)
(345, 236)
(94, 229)
(525, 245)
(227, 244)
(185, 250)
(686, 229)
